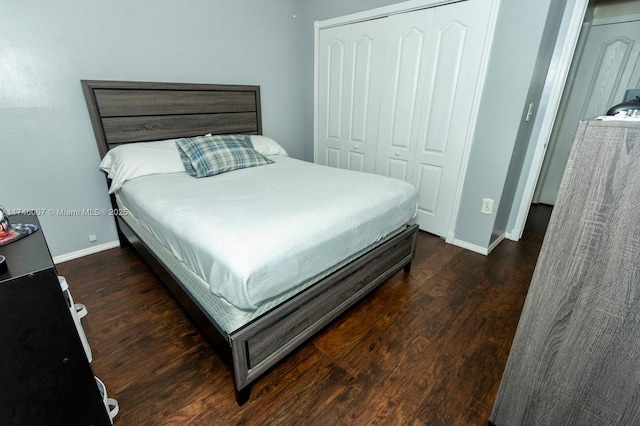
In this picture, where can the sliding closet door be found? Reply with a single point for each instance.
(454, 58)
(349, 79)
(332, 46)
(406, 70)
(397, 95)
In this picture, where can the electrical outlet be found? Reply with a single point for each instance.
(93, 237)
(487, 206)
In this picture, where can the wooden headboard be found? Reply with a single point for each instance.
(131, 111)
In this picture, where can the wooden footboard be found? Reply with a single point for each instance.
(260, 344)
(251, 350)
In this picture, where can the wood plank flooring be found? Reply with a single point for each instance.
(426, 348)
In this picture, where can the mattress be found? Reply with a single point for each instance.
(252, 235)
(227, 317)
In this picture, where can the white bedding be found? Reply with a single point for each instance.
(254, 233)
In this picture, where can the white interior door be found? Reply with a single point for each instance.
(454, 58)
(349, 94)
(608, 66)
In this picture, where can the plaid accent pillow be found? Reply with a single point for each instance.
(204, 156)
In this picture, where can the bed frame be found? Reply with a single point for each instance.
(130, 112)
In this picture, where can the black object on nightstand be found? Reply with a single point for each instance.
(45, 377)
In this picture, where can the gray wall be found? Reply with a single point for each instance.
(47, 47)
(45, 50)
(525, 146)
(513, 226)
(514, 54)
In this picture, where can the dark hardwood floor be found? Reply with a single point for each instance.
(426, 348)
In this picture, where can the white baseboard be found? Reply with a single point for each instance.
(469, 246)
(477, 248)
(513, 235)
(495, 243)
(85, 252)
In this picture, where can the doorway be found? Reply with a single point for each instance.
(577, 21)
(605, 67)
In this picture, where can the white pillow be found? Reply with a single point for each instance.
(129, 161)
(267, 146)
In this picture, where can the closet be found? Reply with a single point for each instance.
(397, 95)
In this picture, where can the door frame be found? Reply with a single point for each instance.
(403, 7)
(566, 47)
(596, 22)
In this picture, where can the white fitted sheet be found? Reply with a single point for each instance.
(255, 233)
(228, 317)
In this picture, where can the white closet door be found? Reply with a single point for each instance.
(406, 68)
(454, 57)
(332, 48)
(396, 97)
(349, 94)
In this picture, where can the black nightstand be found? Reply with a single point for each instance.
(45, 377)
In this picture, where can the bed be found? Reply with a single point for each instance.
(254, 313)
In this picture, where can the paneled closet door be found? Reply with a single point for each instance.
(332, 48)
(397, 95)
(349, 94)
(454, 56)
(405, 71)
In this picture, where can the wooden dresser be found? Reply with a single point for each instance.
(575, 358)
(45, 376)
